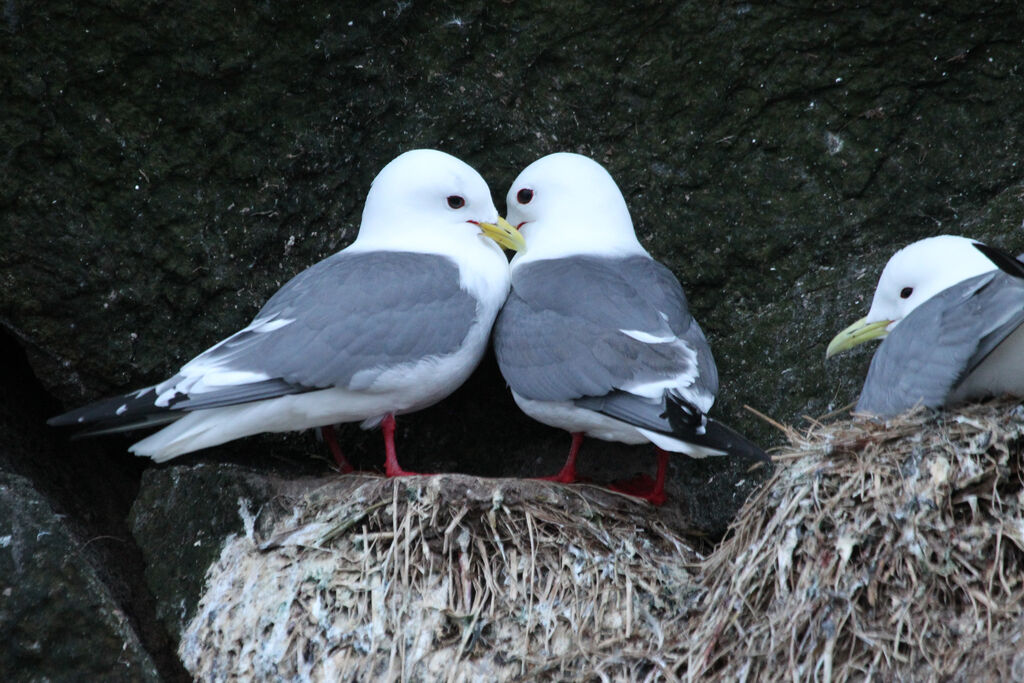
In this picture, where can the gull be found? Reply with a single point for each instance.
(949, 311)
(596, 337)
(391, 324)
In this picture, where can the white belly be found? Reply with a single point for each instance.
(1001, 373)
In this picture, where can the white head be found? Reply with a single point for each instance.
(428, 201)
(919, 271)
(913, 275)
(567, 204)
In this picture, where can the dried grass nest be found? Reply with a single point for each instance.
(449, 577)
(876, 551)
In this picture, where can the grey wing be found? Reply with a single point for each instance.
(338, 323)
(668, 296)
(587, 326)
(941, 342)
(350, 314)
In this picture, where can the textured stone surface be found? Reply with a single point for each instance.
(78, 493)
(58, 620)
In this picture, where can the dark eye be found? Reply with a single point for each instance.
(456, 202)
(906, 292)
(524, 196)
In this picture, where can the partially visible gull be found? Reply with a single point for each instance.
(951, 324)
(392, 324)
(596, 337)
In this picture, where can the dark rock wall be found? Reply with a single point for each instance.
(57, 617)
(164, 167)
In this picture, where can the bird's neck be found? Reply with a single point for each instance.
(545, 242)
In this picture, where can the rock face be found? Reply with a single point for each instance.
(58, 619)
(166, 168)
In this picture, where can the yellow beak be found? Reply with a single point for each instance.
(857, 333)
(504, 234)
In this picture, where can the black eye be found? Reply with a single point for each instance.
(906, 292)
(524, 196)
(456, 202)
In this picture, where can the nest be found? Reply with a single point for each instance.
(447, 578)
(878, 551)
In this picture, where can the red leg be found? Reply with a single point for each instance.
(391, 466)
(567, 474)
(332, 443)
(657, 495)
(642, 486)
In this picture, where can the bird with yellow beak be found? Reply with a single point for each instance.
(391, 324)
(951, 325)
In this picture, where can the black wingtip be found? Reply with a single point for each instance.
(686, 418)
(108, 412)
(677, 418)
(734, 443)
(1005, 261)
(68, 419)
